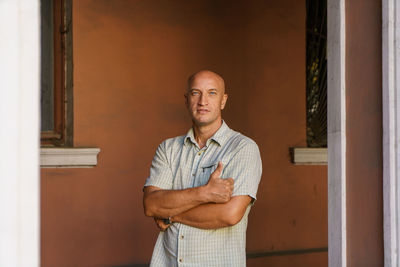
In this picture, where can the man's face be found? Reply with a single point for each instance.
(205, 99)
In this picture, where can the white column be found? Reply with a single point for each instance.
(391, 127)
(19, 132)
(336, 134)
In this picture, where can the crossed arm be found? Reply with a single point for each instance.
(208, 207)
(213, 215)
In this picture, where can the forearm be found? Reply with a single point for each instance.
(167, 203)
(206, 216)
(214, 216)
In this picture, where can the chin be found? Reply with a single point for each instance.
(200, 123)
(203, 122)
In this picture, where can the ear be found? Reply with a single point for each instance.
(223, 102)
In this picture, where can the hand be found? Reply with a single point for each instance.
(219, 190)
(161, 224)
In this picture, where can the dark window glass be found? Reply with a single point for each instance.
(47, 66)
(316, 70)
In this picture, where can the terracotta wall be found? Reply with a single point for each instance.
(364, 133)
(131, 62)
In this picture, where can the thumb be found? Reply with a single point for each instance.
(218, 170)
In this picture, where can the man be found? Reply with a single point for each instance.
(201, 185)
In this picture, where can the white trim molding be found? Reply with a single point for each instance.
(391, 125)
(68, 157)
(336, 48)
(19, 133)
(309, 156)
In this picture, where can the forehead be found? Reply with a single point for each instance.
(206, 82)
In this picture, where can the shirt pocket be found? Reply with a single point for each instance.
(204, 173)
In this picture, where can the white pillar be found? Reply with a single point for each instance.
(391, 129)
(19, 132)
(336, 134)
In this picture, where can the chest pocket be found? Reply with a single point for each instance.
(204, 173)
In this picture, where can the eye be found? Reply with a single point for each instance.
(213, 93)
(195, 93)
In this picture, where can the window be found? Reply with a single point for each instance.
(56, 73)
(316, 83)
(316, 88)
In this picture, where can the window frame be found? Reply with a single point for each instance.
(62, 135)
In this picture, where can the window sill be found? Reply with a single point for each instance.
(68, 157)
(309, 156)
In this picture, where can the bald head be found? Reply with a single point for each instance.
(206, 98)
(207, 74)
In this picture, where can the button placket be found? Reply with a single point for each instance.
(199, 158)
(179, 254)
(195, 165)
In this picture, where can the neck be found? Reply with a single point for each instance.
(204, 132)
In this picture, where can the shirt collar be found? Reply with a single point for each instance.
(219, 137)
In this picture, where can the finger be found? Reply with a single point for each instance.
(161, 225)
(230, 187)
(165, 226)
(227, 197)
(218, 170)
(230, 181)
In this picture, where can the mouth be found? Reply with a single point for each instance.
(202, 111)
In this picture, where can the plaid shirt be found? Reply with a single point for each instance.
(179, 163)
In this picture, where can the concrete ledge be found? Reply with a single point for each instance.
(309, 156)
(68, 157)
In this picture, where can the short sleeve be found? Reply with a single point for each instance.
(245, 168)
(160, 171)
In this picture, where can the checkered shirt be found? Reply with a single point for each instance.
(179, 163)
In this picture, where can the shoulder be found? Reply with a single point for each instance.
(171, 145)
(240, 141)
(169, 148)
(173, 142)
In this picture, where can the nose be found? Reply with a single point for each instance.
(203, 100)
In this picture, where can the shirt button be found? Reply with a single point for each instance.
(180, 260)
(181, 236)
(194, 174)
(199, 153)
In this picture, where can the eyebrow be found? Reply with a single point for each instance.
(212, 89)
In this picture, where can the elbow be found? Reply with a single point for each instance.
(233, 218)
(148, 212)
(149, 203)
(236, 209)
(232, 221)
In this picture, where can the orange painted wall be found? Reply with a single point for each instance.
(131, 62)
(364, 133)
